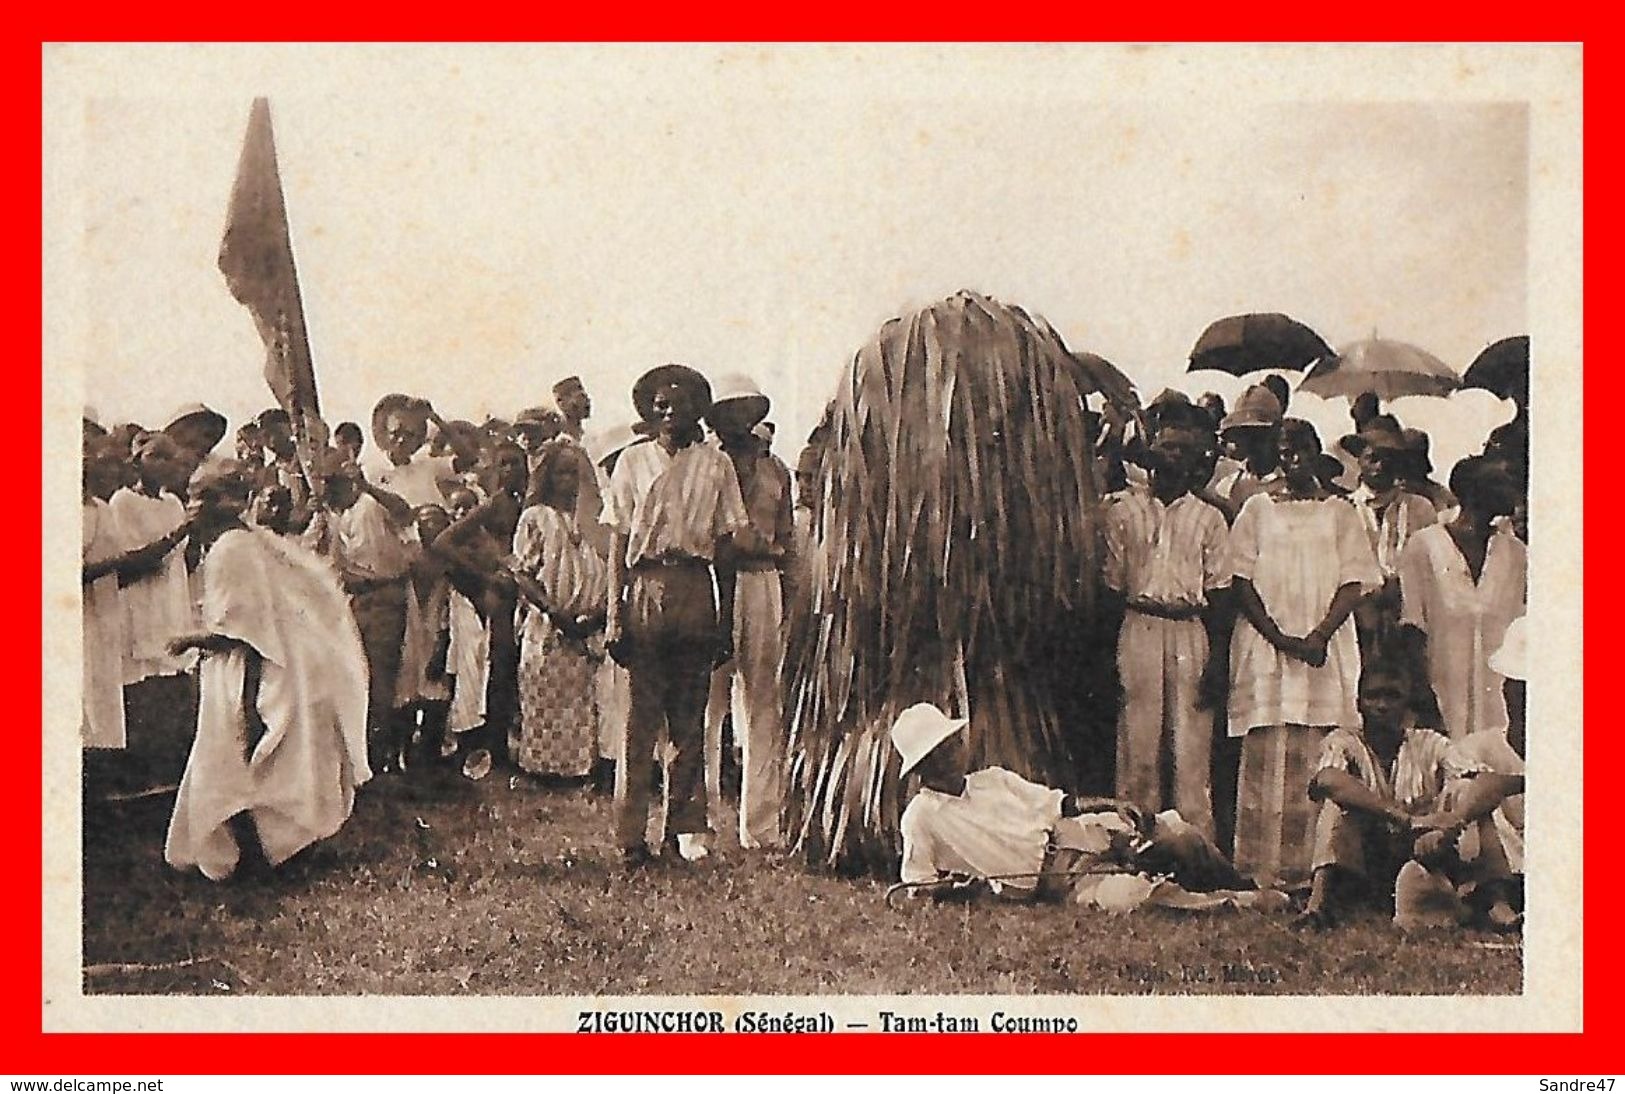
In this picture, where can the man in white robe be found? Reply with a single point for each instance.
(281, 730)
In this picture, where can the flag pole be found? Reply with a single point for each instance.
(256, 258)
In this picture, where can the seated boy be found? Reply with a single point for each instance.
(1437, 823)
(993, 824)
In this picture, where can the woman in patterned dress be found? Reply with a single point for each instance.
(563, 582)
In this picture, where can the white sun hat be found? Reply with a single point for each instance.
(918, 730)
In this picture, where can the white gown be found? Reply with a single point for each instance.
(298, 784)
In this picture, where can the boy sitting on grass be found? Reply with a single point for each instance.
(1407, 811)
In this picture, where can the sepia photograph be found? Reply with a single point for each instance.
(812, 538)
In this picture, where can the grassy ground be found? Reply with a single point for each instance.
(442, 886)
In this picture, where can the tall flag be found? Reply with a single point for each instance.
(256, 256)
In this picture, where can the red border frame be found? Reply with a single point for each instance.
(30, 1050)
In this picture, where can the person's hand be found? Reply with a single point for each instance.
(1314, 644)
(1428, 822)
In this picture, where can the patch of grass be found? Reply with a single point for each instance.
(519, 891)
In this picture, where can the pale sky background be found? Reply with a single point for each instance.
(473, 235)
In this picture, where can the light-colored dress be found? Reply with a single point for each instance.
(558, 713)
(469, 661)
(157, 607)
(103, 616)
(1465, 621)
(428, 604)
(298, 781)
(1297, 554)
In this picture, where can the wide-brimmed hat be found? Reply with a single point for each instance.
(1417, 444)
(394, 402)
(918, 730)
(737, 401)
(1382, 433)
(662, 377)
(1257, 408)
(602, 445)
(211, 422)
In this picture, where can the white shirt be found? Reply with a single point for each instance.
(999, 824)
(157, 607)
(417, 480)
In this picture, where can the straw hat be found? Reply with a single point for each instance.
(918, 730)
(1257, 407)
(662, 377)
(395, 402)
(737, 401)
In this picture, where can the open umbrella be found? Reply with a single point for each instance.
(1503, 368)
(1385, 368)
(1239, 344)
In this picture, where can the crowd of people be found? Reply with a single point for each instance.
(1317, 680)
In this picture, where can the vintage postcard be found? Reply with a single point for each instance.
(758, 538)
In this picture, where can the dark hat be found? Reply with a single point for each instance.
(664, 377)
(1381, 432)
(538, 416)
(569, 383)
(1416, 443)
(393, 403)
(1174, 408)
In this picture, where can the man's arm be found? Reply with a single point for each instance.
(1252, 607)
(461, 444)
(1330, 784)
(133, 565)
(398, 508)
(1343, 602)
(1218, 619)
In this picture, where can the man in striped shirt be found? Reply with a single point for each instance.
(1164, 559)
(669, 504)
